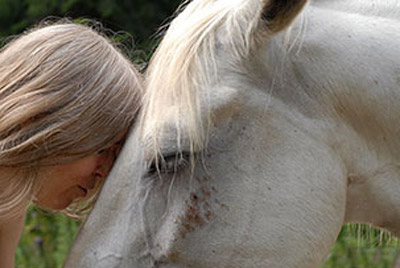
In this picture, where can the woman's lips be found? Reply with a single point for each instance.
(84, 191)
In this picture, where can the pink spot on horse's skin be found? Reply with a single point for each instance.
(198, 209)
(188, 227)
(193, 197)
(206, 193)
(208, 215)
(183, 233)
(222, 205)
(206, 205)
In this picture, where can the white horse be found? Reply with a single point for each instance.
(266, 125)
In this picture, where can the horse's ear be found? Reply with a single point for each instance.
(278, 14)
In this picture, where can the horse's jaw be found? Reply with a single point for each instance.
(104, 237)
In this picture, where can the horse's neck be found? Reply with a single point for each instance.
(344, 67)
(340, 71)
(379, 8)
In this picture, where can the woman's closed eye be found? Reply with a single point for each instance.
(114, 150)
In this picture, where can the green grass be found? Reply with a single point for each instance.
(361, 246)
(47, 238)
(45, 241)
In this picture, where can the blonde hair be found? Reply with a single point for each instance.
(66, 92)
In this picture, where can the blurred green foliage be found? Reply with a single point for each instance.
(47, 238)
(139, 18)
(45, 241)
(361, 246)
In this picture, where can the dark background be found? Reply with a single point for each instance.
(139, 19)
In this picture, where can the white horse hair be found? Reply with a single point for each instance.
(289, 113)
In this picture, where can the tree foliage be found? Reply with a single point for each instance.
(140, 18)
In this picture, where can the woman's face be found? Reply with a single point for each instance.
(61, 184)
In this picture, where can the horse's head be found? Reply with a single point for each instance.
(215, 173)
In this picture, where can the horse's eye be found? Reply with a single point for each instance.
(169, 164)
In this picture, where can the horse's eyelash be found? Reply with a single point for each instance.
(170, 163)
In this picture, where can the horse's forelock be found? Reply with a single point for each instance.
(186, 61)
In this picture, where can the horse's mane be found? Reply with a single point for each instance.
(185, 61)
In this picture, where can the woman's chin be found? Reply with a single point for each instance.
(58, 205)
(63, 200)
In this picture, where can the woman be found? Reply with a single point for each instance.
(67, 98)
